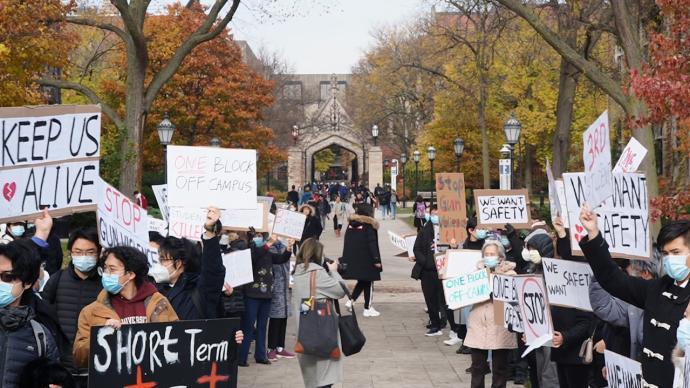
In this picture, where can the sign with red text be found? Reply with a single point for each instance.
(567, 283)
(535, 311)
(495, 208)
(208, 176)
(452, 208)
(597, 159)
(186, 222)
(49, 159)
(120, 220)
(631, 158)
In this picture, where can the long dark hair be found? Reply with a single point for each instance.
(310, 251)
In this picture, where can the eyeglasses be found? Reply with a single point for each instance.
(90, 252)
(8, 277)
(108, 271)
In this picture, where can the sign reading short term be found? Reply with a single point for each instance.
(199, 353)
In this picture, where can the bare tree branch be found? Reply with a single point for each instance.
(83, 21)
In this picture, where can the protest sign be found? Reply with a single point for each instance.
(623, 218)
(289, 224)
(242, 219)
(173, 354)
(631, 157)
(567, 283)
(535, 311)
(161, 193)
(120, 220)
(503, 288)
(512, 319)
(187, 222)
(208, 176)
(686, 368)
(560, 190)
(49, 160)
(622, 372)
(267, 200)
(456, 262)
(397, 241)
(597, 159)
(452, 212)
(554, 199)
(495, 208)
(238, 267)
(409, 241)
(159, 226)
(467, 289)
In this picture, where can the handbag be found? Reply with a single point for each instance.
(587, 349)
(352, 339)
(318, 326)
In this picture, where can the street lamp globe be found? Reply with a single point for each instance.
(403, 158)
(505, 151)
(215, 142)
(416, 155)
(375, 131)
(166, 129)
(512, 128)
(431, 153)
(458, 146)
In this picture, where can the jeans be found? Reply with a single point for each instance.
(255, 312)
(394, 209)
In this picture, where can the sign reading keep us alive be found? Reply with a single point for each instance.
(495, 208)
(207, 176)
(597, 158)
(452, 210)
(48, 160)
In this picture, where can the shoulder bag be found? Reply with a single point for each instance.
(318, 326)
(352, 339)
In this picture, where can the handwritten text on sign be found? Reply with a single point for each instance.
(187, 222)
(289, 224)
(206, 176)
(534, 307)
(495, 208)
(504, 288)
(161, 193)
(452, 210)
(631, 157)
(622, 372)
(597, 158)
(623, 218)
(567, 283)
(182, 353)
(467, 289)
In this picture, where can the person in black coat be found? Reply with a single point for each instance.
(233, 297)
(312, 226)
(293, 196)
(663, 300)
(361, 259)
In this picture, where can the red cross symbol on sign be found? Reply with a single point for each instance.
(140, 383)
(212, 378)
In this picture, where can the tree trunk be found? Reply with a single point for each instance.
(529, 152)
(567, 86)
(486, 173)
(132, 147)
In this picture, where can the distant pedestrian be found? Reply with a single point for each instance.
(339, 215)
(419, 210)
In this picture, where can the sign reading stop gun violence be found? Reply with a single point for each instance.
(120, 220)
(623, 218)
(567, 283)
(452, 208)
(49, 160)
(175, 354)
(495, 208)
(207, 176)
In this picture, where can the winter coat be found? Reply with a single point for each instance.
(618, 313)
(18, 345)
(340, 211)
(262, 265)
(482, 330)
(473, 245)
(280, 303)
(661, 299)
(361, 249)
(317, 371)
(306, 197)
(424, 249)
(195, 291)
(575, 326)
(158, 309)
(312, 228)
(292, 197)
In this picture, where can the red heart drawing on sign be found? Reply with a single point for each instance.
(578, 235)
(8, 191)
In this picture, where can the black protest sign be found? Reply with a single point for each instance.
(199, 353)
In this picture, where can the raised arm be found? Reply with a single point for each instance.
(212, 274)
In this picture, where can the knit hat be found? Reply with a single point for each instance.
(541, 241)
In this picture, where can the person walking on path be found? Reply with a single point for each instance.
(339, 214)
(394, 204)
(280, 304)
(361, 259)
(293, 196)
(317, 372)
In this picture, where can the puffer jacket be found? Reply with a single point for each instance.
(280, 303)
(361, 251)
(18, 345)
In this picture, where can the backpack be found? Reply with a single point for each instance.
(40, 336)
(421, 210)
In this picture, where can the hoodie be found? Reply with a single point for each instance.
(133, 311)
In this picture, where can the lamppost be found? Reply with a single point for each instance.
(458, 148)
(431, 154)
(504, 168)
(416, 156)
(658, 131)
(512, 128)
(403, 160)
(215, 142)
(295, 134)
(375, 133)
(166, 129)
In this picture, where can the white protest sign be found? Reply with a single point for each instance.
(560, 190)
(397, 241)
(267, 200)
(631, 158)
(289, 224)
(597, 159)
(242, 219)
(160, 226)
(161, 193)
(495, 208)
(238, 267)
(535, 311)
(409, 242)
(622, 372)
(120, 220)
(512, 319)
(467, 289)
(271, 221)
(686, 368)
(187, 222)
(208, 176)
(503, 288)
(457, 262)
(623, 218)
(567, 283)
(554, 199)
(48, 160)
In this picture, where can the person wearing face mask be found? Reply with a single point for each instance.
(12, 231)
(22, 338)
(127, 297)
(663, 300)
(475, 236)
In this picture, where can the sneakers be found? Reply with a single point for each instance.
(433, 332)
(453, 339)
(285, 354)
(273, 355)
(348, 304)
(370, 312)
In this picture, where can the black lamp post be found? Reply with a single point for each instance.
(416, 155)
(431, 154)
(458, 148)
(375, 133)
(512, 128)
(166, 129)
(295, 134)
(403, 160)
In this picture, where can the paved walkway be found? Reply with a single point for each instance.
(397, 354)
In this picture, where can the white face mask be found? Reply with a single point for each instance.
(159, 273)
(525, 254)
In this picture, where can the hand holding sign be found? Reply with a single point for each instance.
(588, 219)
(44, 224)
(211, 219)
(560, 228)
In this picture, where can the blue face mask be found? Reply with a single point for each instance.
(427, 217)
(491, 261)
(84, 263)
(111, 283)
(675, 267)
(683, 333)
(258, 241)
(505, 242)
(6, 297)
(434, 219)
(17, 230)
(481, 234)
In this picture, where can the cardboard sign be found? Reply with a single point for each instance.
(535, 311)
(452, 211)
(174, 354)
(209, 176)
(467, 289)
(512, 318)
(560, 190)
(48, 159)
(567, 283)
(623, 218)
(242, 219)
(554, 199)
(160, 226)
(289, 224)
(631, 158)
(120, 220)
(161, 193)
(622, 372)
(238, 267)
(409, 241)
(495, 208)
(400, 242)
(187, 222)
(456, 262)
(504, 288)
(597, 158)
